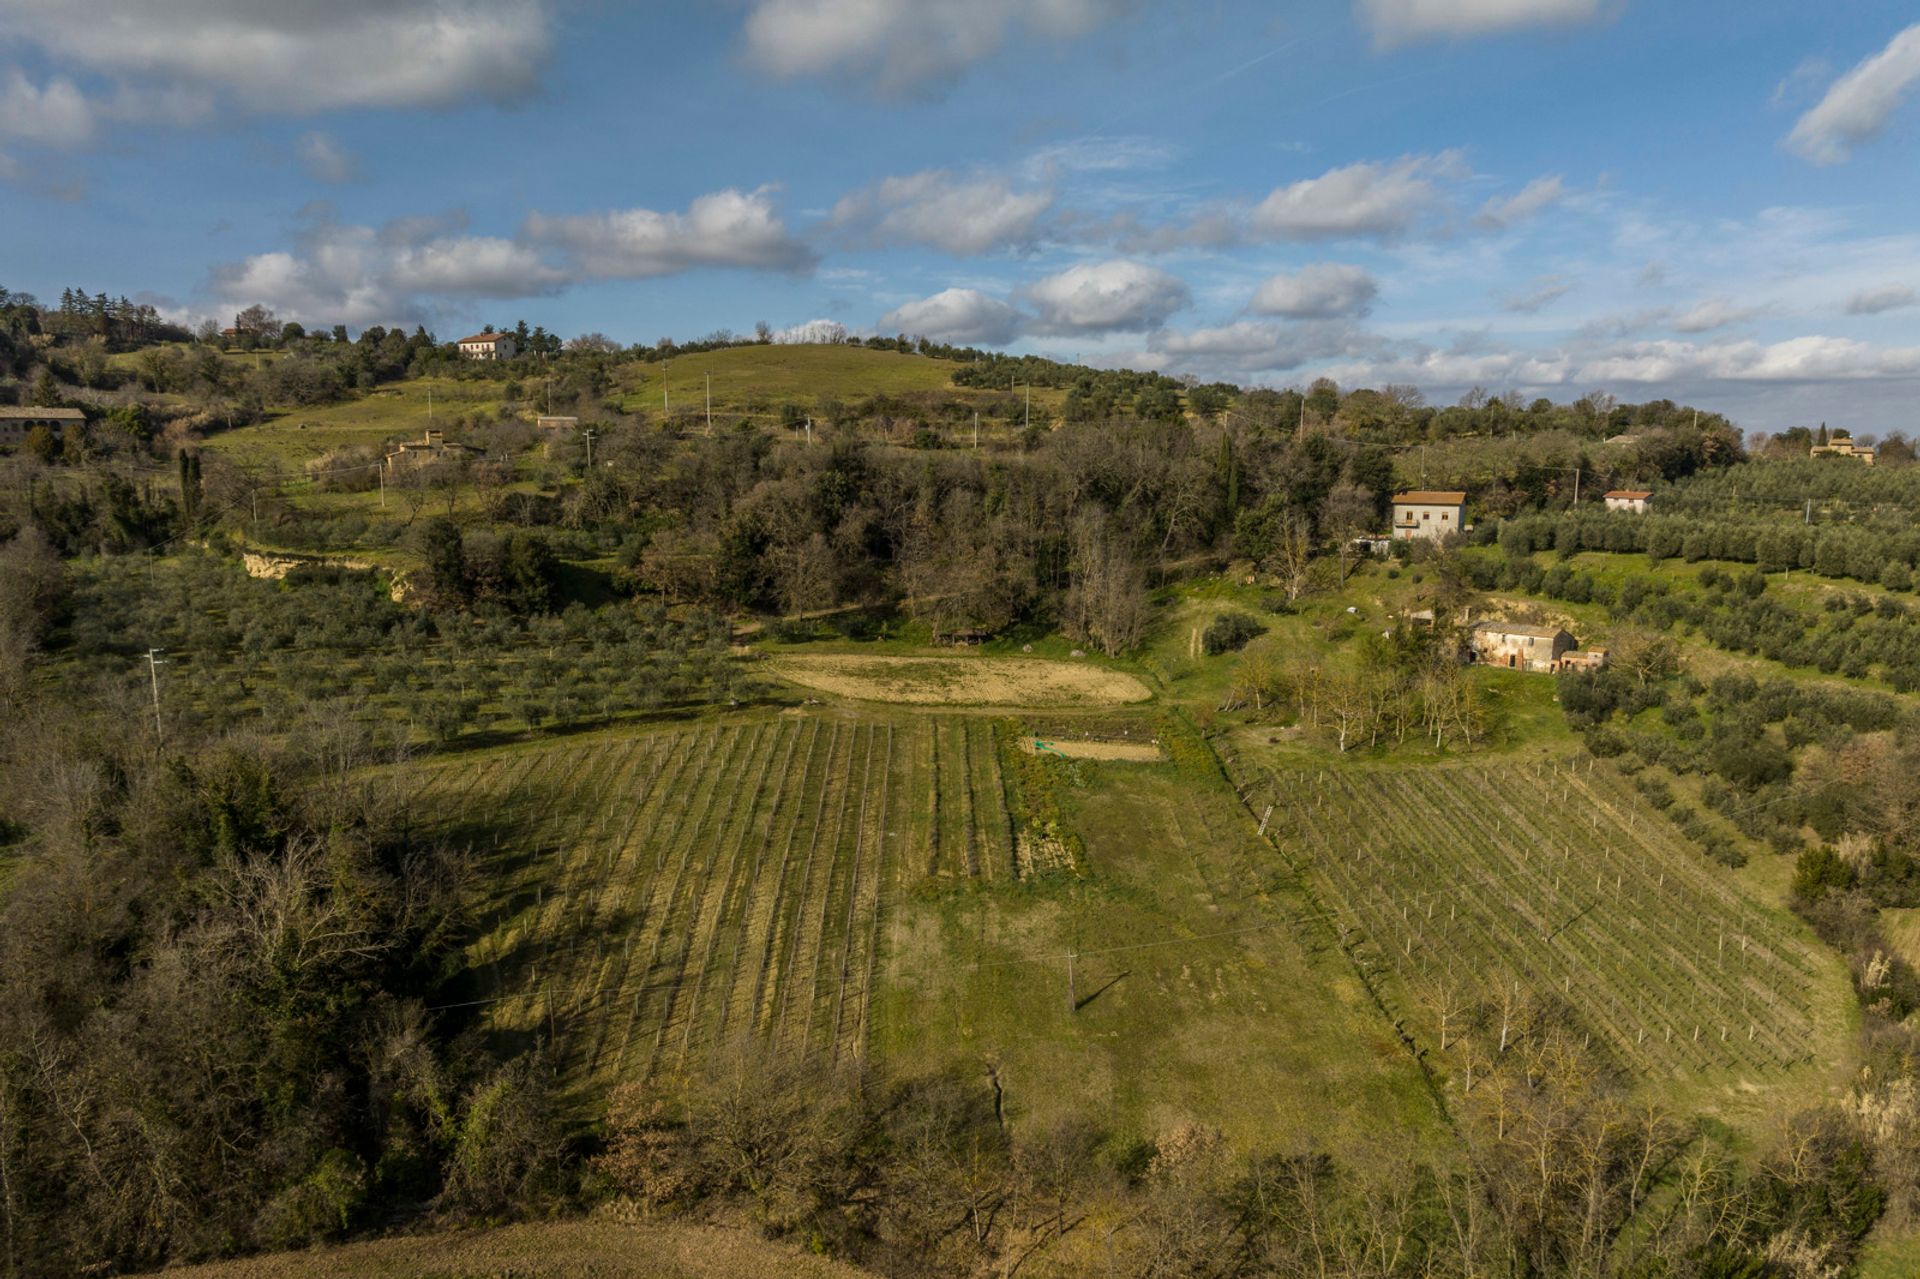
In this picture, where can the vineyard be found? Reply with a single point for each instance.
(1480, 890)
(654, 895)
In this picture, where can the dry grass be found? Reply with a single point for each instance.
(1130, 752)
(597, 1249)
(962, 681)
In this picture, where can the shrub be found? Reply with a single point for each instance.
(1230, 632)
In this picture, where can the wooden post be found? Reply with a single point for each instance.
(1073, 1001)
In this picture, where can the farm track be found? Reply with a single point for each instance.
(657, 896)
(1471, 882)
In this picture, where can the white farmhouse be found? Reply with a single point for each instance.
(488, 346)
(1634, 500)
(1431, 514)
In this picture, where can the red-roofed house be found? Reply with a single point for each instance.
(1634, 500)
(1429, 513)
(488, 346)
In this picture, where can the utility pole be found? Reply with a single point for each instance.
(976, 428)
(588, 433)
(809, 428)
(381, 468)
(1808, 517)
(709, 404)
(154, 663)
(1073, 1000)
(1028, 425)
(429, 408)
(1576, 486)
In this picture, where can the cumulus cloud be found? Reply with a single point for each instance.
(964, 316)
(1399, 21)
(53, 114)
(1539, 194)
(357, 275)
(1858, 105)
(724, 229)
(1321, 291)
(297, 56)
(1247, 348)
(942, 210)
(1538, 295)
(402, 270)
(1119, 296)
(325, 160)
(904, 46)
(1713, 313)
(1366, 199)
(1795, 359)
(1887, 298)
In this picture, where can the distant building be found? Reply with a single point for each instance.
(1518, 645)
(1634, 500)
(1431, 514)
(1843, 446)
(15, 423)
(1588, 659)
(550, 422)
(488, 346)
(430, 447)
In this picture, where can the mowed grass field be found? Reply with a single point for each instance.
(1465, 884)
(843, 885)
(399, 411)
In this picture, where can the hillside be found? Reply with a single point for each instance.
(598, 1249)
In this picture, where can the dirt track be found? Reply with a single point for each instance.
(962, 681)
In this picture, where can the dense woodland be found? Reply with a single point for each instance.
(226, 953)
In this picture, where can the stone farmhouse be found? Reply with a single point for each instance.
(1843, 446)
(1522, 646)
(1429, 513)
(431, 447)
(1635, 500)
(15, 423)
(488, 346)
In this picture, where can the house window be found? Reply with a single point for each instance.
(1443, 515)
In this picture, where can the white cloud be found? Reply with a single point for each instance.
(1246, 348)
(1539, 194)
(1119, 296)
(1713, 313)
(965, 316)
(1321, 291)
(55, 114)
(1367, 199)
(359, 275)
(904, 46)
(1538, 295)
(1795, 359)
(1889, 297)
(724, 229)
(812, 333)
(295, 55)
(325, 160)
(1857, 106)
(940, 209)
(1398, 21)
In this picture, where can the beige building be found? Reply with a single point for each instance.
(430, 447)
(1843, 446)
(1518, 646)
(1634, 500)
(552, 422)
(15, 423)
(488, 346)
(1431, 514)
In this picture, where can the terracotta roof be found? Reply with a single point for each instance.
(484, 337)
(1632, 495)
(1430, 497)
(41, 415)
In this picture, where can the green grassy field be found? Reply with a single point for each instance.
(1550, 878)
(841, 885)
(290, 437)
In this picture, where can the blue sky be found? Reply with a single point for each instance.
(1707, 201)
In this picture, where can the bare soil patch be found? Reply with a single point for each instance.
(1131, 752)
(962, 681)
